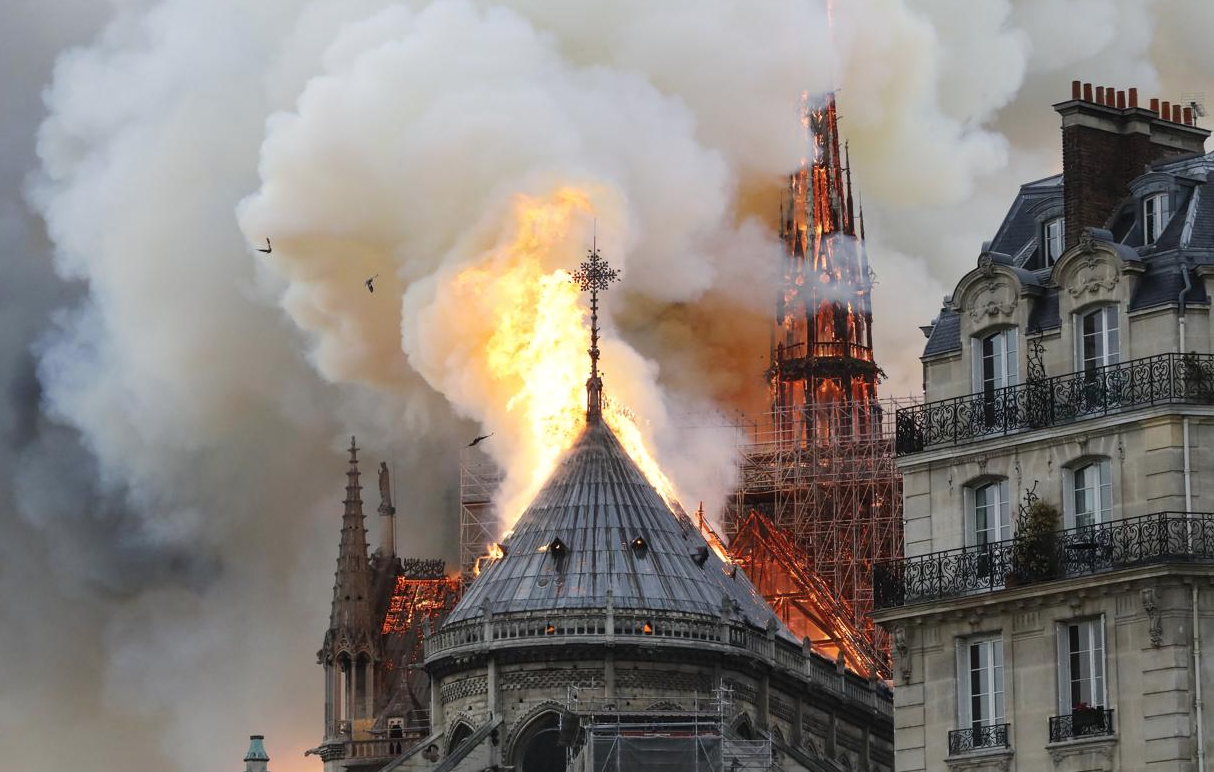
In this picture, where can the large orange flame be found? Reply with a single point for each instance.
(535, 351)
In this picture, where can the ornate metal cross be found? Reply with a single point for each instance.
(594, 275)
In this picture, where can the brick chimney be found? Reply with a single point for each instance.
(1107, 141)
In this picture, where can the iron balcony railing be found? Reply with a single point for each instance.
(1091, 722)
(977, 738)
(1154, 380)
(1156, 538)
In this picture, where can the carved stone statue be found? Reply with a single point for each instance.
(385, 490)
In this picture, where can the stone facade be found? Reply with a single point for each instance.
(1082, 381)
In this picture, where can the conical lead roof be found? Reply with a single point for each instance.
(577, 542)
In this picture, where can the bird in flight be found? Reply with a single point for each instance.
(480, 438)
(370, 286)
(268, 248)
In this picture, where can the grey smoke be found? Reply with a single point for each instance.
(172, 453)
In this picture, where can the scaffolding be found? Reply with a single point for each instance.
(831, 486)
(601, 737)
(479, 480)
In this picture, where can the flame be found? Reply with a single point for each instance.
(538, 331)
(495, 551)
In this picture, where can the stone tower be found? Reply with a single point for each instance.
(351, 645)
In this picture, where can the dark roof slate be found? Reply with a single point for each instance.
(597, 502)
(946, 334)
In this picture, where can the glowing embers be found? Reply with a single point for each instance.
(416, 599)
(639, 547)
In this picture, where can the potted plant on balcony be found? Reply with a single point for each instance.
(1035, 545)
(1086, 719)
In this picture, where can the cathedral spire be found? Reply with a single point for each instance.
(352, 588)
(594, 274)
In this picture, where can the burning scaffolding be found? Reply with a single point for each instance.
(819, 468)
(479, 480)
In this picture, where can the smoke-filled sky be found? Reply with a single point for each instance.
(173, 405)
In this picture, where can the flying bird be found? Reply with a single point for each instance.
(268, 248)
(480, 438)
(370, 286)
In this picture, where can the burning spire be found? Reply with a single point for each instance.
(594, 274)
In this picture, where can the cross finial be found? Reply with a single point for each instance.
(594, 274)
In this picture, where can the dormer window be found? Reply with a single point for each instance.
(1155, 214)
(1054, 236)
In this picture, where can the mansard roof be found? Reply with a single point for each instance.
(595, 506)
(1186, 243)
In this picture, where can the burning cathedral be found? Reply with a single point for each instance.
(610, 630)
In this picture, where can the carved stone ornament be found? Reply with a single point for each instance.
(903, 648)
(1088, 750)
(994, 299)
(997, 761)
(986, 264)
(1150, 604)
(1094, 276)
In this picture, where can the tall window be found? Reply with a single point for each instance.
(1081, 665)
(989, 515)
(980, 679)
(995, 361)
(1099, 339)
(1055, 239)
(1155, 214)
(1091, 496)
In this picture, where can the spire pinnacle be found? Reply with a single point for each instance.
(594, 274)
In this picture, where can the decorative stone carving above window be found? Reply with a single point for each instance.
(994, 299)
(1094, 275)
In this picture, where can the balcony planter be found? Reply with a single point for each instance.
(1035, 547)
(1087, 720)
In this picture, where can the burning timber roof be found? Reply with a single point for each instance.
(597, 504)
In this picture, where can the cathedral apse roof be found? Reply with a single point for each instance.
(598, 527)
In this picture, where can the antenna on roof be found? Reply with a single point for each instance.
(1197, 101)
(594, 274)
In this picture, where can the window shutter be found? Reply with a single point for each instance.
(1011, 358)
(963, 684)
(976, 363)
(1068, 497)
(1062, 656)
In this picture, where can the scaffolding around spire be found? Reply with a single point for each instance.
(594, 274)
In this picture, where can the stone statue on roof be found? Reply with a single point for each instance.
(385, 489)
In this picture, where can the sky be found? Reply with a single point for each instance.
(174, 406)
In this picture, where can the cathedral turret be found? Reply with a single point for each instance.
(256, 760)
(351, 643)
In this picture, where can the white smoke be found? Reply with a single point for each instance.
(175, 464)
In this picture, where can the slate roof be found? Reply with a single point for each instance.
(1160, 283)
(946, 334)
(597, 502)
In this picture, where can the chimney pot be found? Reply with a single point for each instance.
(1133, 97)
(1155, 105)
(1076, 88)
(1175, 113)
(1188, 116)
(1109, 98)
(1165, 110)
(1087, 92)
(1120, 100)
(1100, 95)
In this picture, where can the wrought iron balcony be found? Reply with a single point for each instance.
(1091, 722)
(977, 738)
(1154, 380)
(1156, 538)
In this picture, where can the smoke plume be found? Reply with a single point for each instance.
(175, 404)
